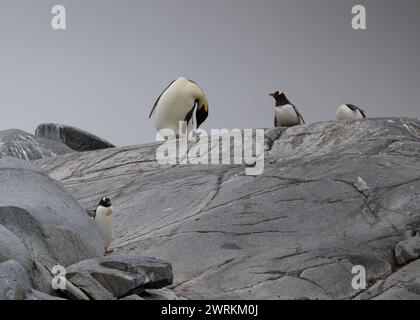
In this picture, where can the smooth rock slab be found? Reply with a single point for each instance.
(123, 274)
(76, 139)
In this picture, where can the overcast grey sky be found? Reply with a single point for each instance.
(105, 71)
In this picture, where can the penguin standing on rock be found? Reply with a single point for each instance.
(349, 112)
(179, 102)
(286, 114)
(103, 219)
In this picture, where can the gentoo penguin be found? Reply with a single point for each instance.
(103, 219)
(349, 112)
(178, 103)
(286, 114)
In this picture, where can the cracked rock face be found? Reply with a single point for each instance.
(333, 195)
(23, 145)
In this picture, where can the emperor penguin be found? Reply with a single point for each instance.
(349, 112)
(103, 219)
(178, 102)
(286, 114)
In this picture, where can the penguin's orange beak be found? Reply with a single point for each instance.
(272, 94)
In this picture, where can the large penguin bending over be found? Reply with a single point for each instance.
(178, 102)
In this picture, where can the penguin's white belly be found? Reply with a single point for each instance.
(345, 113)
(104, 224)
(286, 116)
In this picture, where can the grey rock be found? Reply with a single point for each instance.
(157, 273)
(397, 294)
(335, 277)
(132, 297)
(12, 248)
(72, 292)
(76, 139)
(271, 135)
(402, 284)
(124, 274)
(23, 145)
(332, 195)
(41, 225)
(42, 278)
(408, 250)
(91, 287)
(14, 281)
(159, 294)
(33, 294)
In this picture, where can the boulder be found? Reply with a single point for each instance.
(41, 225)
(33, 294)
(14, 281)
(398, 294)
(332, 195)
(159, 294)
(91, 287)
(23, 145)
(403, 284)
(11, 247)
(408, 250)
(72, 292)
(76, 139)
(123, 275)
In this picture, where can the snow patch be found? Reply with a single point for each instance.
(361, 184)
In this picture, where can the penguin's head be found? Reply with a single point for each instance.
(202, 110)
(280, 98)
(105, 202)
(201, 103)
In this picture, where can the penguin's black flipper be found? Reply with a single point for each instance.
(157, 101)
(355, 108)
(299, 115)
(91, 213)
